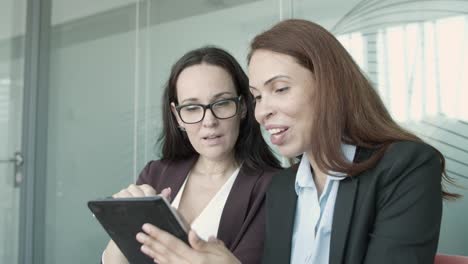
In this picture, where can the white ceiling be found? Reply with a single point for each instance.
(13, 12)
(67, 10)
(326, 13)
(12, 15)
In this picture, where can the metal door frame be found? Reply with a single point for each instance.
(34, 132)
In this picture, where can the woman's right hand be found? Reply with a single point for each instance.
(112, 253)
(143, 190)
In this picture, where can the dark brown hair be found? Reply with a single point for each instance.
(250, 148)
(351, 110)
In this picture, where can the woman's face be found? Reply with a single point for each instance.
(283, 92)
(212, 138)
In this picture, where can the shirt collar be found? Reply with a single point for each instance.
(304, 176)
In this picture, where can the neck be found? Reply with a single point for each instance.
(215, 168)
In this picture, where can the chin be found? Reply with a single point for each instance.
(214, 155)
(290, 152)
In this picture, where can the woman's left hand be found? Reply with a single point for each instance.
(164, 248)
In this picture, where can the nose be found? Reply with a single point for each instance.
(209, 120)
(263, 110)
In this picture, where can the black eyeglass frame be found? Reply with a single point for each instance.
(236, 100)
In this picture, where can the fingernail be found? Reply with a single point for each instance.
(149, 228)
(144, 249)
(140, 237)
(166, 192)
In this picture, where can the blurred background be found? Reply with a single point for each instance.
(81, 85)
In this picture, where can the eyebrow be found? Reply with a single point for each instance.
(271, 80)
(216, 96)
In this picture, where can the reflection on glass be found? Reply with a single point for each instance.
(419, 71)
(419, 67)
(354, 44)
(418, 61)
(4, 100)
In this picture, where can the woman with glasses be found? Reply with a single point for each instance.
(215, 163)
(365, 189)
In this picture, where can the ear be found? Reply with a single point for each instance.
(174, 112)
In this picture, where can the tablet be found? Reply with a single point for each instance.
(122, 218)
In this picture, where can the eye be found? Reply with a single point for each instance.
(257, 98)
(191, 108)
(222, 103)
(282, 90)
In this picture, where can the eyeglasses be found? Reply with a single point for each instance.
(221, 109)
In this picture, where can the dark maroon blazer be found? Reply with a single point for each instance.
(242, 223)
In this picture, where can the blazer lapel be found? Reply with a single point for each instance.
(344, 208)
(174, 175)
(235, 210)
(281, 202)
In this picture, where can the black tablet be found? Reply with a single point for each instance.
(122, 218)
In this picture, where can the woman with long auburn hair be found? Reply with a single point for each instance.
(365, 190)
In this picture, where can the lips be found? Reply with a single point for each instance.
(213, 140)
(277, 134)
(211, 137)
(274, 131)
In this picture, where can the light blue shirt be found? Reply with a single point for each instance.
(314, 215)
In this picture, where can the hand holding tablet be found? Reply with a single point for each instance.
(123, 218)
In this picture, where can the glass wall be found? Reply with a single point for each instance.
(415, 52)
(108, 64)
(12, 28)
(91, 121)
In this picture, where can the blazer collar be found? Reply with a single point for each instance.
(281, 202)
(236, 208)
(344, 207)
(175, 174)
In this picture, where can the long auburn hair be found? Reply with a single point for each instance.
(250, 148)
(350, 109)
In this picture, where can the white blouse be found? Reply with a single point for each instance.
(207, 223)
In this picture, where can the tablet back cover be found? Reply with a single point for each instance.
(123, 218)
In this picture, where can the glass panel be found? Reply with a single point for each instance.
(108, 63)
(416, 54)
(229, 24)
(91, 121)
(12, 28)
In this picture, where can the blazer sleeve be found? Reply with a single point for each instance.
(144, 177)
(408, 208)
